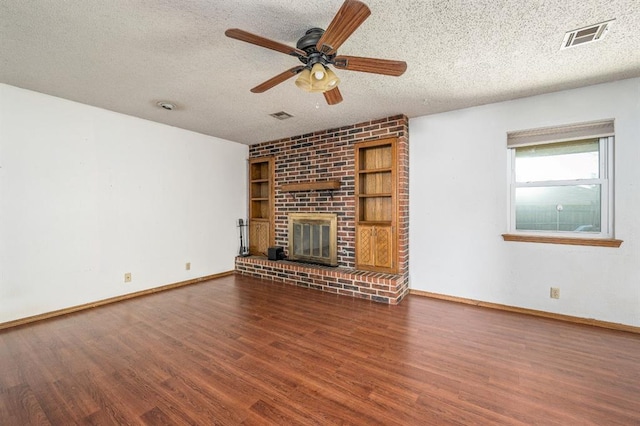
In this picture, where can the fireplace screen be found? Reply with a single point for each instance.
(312, 238)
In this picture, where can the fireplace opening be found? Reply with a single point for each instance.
(313, 238)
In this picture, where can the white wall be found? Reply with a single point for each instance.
(88, 194)
(458, 209)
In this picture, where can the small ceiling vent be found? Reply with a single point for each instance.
(281, 115)
(586, 35)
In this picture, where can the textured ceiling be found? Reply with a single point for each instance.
(126, 55)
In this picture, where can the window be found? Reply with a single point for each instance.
(561, 181)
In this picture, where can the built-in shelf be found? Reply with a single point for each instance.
(375, 222)
(380, 195)
(375, 196)
(261, 219)
(380, 170)
(311, 186)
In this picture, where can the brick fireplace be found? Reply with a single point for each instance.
(329, 155)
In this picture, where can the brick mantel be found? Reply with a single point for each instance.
(328, 155)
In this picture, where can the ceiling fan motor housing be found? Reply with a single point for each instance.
(310, 39)
(308, 43)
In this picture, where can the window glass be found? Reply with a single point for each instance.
(558, 161)
(559, 208)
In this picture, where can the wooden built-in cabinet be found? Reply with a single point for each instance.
(261, 227)
(376, 207)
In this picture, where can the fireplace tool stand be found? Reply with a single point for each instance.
(242, 226)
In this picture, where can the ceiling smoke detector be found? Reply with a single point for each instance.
(586, 35)
(281, 115)
(166, 105)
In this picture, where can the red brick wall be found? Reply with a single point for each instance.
(328, 155)
(403, 202)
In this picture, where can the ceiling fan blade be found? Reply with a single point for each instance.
(373, 65)
(263, 42)
(333, 96)
(277, 79)
(347, 20)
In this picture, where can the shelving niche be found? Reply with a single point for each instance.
(375, 191)
(260, 205)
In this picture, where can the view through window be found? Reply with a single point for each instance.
(560, 188)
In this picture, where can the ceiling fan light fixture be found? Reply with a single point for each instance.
(329, 82)
(307, 79)
(304, 80)
(332, 79)
(318, 71)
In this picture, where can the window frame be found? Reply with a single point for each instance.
(606, 182)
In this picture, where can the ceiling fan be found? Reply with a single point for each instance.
(318, 49)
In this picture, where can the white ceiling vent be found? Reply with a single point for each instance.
(586, 35)
(281, 115)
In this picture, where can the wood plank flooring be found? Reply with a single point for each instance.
(242, 351)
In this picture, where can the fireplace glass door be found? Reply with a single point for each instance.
(312, 238)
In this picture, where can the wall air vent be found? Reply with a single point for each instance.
(281, 115)
(586, 35)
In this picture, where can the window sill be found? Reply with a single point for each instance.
(596, 242)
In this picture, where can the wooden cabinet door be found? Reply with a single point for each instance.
(365, 246)
(374, 246)
(258, 237)
(383, 249)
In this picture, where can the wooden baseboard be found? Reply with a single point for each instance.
(534, 312)
(47, 315)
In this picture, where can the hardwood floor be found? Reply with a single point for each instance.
(242, 351)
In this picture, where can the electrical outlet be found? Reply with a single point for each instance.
(555, 293)
(127, 277)
(187, 266)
